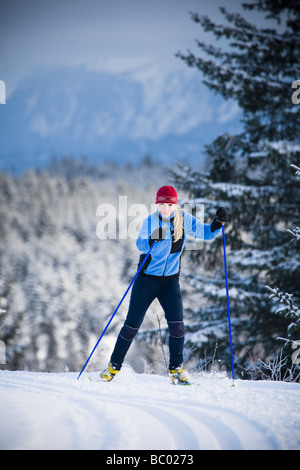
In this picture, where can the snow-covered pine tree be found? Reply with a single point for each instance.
(249, 174)
(295, 232)
(288, 309)
(60, 283)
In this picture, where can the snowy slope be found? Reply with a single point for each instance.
(140, 411)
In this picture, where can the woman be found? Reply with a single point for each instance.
(159, 278)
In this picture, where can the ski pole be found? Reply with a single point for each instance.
(117, 308)
(228, 307)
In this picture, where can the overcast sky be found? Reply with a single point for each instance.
(113, 35)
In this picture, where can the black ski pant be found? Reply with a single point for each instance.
(145, 289)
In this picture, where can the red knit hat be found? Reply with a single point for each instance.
(166, 194)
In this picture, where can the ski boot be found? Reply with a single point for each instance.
(179, 376)
(109, 373)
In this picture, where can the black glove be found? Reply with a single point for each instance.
(157, 235)
(221, 216)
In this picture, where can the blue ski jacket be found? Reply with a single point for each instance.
(164, 259)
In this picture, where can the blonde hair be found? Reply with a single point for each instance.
(178, 224)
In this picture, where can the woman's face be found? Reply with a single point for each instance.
(166, 210)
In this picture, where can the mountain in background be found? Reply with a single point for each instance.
(103, 116)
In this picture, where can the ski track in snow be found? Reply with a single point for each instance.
(140, 412)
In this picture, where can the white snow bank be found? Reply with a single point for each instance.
(134, 412)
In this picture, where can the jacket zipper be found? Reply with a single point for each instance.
(168, 254)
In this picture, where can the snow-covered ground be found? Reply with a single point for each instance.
(143, 411)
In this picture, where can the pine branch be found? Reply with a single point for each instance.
(295, 233)
(242, 30)
(289, 310)
(297, 168)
